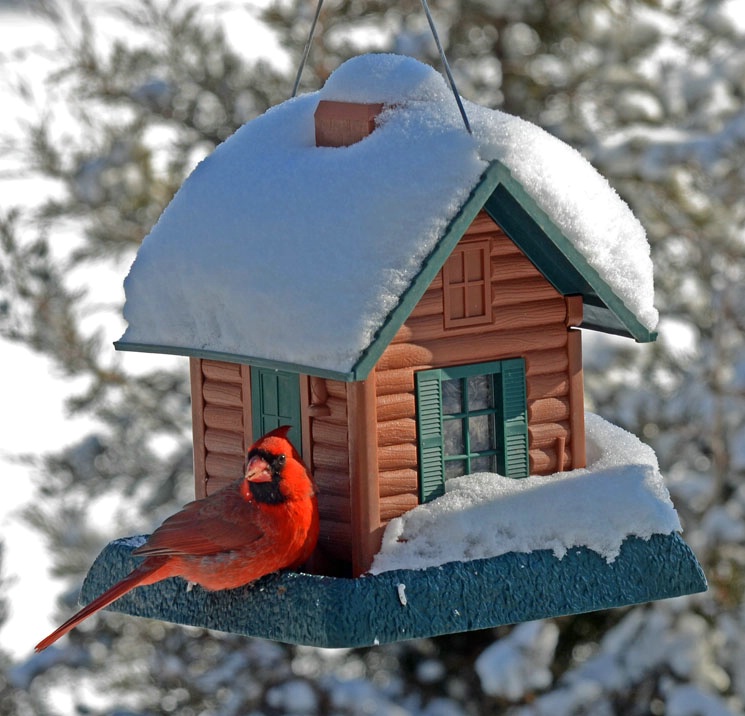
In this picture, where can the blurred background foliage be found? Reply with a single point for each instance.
(651, 91)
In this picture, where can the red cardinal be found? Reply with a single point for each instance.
(265, 521)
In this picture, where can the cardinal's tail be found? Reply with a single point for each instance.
(143, 574)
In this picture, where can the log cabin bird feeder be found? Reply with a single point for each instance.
(411, 298)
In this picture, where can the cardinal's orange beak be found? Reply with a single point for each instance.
(258, 470)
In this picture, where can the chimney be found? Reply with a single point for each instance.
(339, 124)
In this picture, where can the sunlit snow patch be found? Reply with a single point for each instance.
(620, 493)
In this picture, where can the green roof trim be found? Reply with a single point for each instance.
(235, 358)
(534, 232)
(432, 264)
(298, 608)
(395, 319)
(559, 261)
(520, 217)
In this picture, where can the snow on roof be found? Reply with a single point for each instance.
(621, 493)
(277, 249)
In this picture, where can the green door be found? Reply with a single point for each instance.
(275, 401)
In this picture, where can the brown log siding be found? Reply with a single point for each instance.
(530, 321)
(330, 465)
(221, 419)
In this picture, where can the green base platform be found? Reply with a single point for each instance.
(406, 604)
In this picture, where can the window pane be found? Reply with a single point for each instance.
(474, 260)
(453, 437)
(452, 396)
(475, 300)
(455, 267)
(455, 468)
(485, 463)
(480, 396)
(482, 435)
(467, 286)
(457, 302)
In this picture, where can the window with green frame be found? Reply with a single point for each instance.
(471, 418)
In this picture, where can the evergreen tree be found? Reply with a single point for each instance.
(651, 91)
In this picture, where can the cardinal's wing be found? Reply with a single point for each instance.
(220, 523)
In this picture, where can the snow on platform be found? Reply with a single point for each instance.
(504, 552)
(620, 493)
(330, 612)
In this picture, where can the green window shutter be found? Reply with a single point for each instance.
(514, 462)
(430, 439)
(275, 401)
(508, 411)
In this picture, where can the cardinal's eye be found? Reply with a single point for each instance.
(279, 461)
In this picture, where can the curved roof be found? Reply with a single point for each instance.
(278, 252)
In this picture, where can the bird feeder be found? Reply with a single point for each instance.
(411, 299)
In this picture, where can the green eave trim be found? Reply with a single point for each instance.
(520, 217)
(237, 358)
(507, 202)
(431, 265)
(395, 319)
(405, 604)
(559, 261)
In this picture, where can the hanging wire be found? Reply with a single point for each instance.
(446, 66)
(432, 27)
(306, 51)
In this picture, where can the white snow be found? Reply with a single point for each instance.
(680, 337)
(296, 696)
(520, 663)
(689, 700)
(580, 202)
(278, 249)
(620, 493)
(666, 639)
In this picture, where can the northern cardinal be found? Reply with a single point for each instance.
(264, 521)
